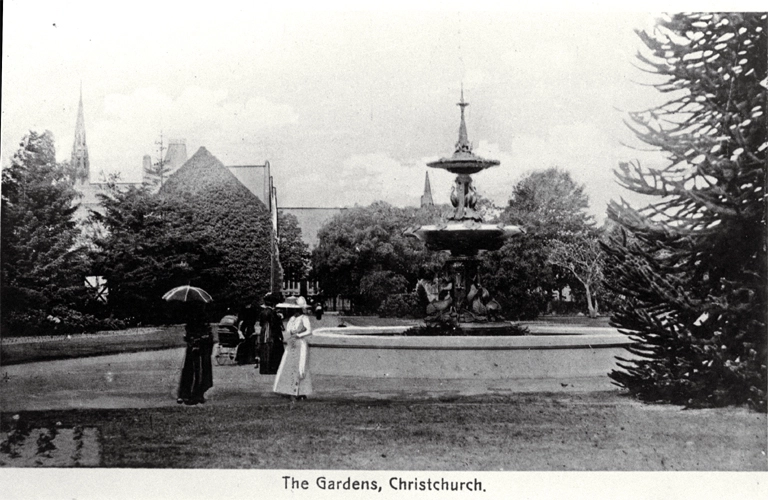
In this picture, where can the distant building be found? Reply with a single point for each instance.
(81, 166)
(257, 179)
(175, 156)
(146, 163)
(88, 189)
(311, 219)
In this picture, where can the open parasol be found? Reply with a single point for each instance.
(187, 293)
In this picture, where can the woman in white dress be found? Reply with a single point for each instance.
(293, 377)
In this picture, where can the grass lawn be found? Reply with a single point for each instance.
(576, 431)
(15, 351)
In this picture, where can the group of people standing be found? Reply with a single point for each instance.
(266, 345)
(282, 351)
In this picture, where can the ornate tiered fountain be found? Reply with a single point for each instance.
(477, 348)
(458, 296)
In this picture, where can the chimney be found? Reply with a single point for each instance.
(176, 155)
(146, 165)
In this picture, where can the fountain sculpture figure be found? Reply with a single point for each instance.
(457, 296)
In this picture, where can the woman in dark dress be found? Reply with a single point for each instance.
(246, 353)
(271, 336)
(197, 372)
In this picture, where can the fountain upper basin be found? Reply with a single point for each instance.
(466, 237)
(463, 163)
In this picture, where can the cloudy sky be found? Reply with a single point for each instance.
(347, 106)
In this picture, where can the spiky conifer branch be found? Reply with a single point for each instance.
(692, 266)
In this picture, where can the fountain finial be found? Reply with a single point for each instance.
(463, 146)
(463, 160)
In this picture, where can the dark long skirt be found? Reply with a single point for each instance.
(246, 351)
(196, 374)
(270, 353)
(278, 349)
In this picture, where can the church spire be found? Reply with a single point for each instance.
(426, 198)
(79, 163)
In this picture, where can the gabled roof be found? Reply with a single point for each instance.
(203, 172)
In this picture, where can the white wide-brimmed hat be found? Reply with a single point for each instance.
(294, 303)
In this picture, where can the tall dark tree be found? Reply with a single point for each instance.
(150, 245)
(691, 268)
(157, 173)
(42, 271)
(295, 257)
(551, 207)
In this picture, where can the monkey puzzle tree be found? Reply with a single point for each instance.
(691, 267)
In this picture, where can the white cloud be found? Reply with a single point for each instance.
(496, 183)
(366, 178)
(129, 125)
(363, 179)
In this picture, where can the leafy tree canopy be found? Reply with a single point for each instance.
(551, 207)
(549, 203)
(295, 257)
(364, 246)
(152, 244)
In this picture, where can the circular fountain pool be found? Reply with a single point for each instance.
(548, 352)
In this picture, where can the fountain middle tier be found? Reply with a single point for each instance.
(464, 238)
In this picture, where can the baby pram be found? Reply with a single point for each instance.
(230, 339)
